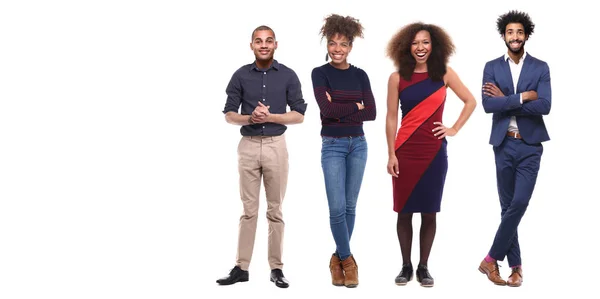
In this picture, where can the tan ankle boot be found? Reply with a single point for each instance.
(337, 274)
(350, 271)
(492, 271)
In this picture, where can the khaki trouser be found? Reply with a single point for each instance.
(266, 157)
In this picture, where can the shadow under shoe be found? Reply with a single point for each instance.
(235, 275)
(406, 275)
(337, 272)
(350, 271)
(424, 277)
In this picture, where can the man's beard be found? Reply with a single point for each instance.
(519, 50)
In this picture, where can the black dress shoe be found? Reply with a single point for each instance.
(235, 275)
(278, 278)
(424, 277)
(406, 275)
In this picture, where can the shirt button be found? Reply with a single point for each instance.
(265, 73)
(263, 127)
(264, 86)
(263, 100)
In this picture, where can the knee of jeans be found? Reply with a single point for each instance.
(337, 214)
(351, 210)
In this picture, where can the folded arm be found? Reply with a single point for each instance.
(329, 109)
(541, 104)
(370, 110)
(495, 104)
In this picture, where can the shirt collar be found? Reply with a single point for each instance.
(506, 57)
(274, 65)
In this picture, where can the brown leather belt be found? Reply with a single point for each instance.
(514, 135)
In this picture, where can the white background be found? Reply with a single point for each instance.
(118, 172)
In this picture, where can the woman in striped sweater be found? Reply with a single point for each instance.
(343, 94)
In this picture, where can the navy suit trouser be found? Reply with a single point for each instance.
(517, 166)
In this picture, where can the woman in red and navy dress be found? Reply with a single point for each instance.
(417, 153)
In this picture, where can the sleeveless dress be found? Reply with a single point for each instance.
(422, 157)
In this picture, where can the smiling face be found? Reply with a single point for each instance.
(338, 48)
(263, 45)
(420, 48)
(515, 37)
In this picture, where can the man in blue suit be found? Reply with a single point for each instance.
(516, 89)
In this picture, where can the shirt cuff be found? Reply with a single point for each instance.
(521, 98)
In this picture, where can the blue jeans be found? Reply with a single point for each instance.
(343, 160)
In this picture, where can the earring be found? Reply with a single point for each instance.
(326, 56)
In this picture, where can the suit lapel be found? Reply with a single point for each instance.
(507, 74)
(524, 70)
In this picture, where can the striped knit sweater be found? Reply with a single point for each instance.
(341, 117)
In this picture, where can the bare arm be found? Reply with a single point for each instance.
(262, 115)
(288, 118)
(235, 118)
(463, 93)
(391, 122)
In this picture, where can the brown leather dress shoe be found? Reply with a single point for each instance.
(516, 277)
(350, 271)
(337, 273)
(492, 271)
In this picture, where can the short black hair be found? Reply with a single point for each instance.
(514, 16)
(260, 28)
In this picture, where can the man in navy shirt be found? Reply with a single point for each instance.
(264, 89)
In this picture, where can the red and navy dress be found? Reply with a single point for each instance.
(422, 157)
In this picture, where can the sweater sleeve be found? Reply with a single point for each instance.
(329, 109)
(370, 111)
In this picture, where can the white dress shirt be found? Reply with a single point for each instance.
(515, 70)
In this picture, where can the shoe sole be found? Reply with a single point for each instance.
(283, 287)
(404, 283)
(228, 284)
(351, 286)
(496, 283)
(425, 285)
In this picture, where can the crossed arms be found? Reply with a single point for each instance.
(531, 102)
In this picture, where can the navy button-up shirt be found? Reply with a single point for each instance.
(277, 87)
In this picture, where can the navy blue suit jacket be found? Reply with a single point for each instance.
(535, 75)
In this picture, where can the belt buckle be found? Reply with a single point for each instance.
(515, 134)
